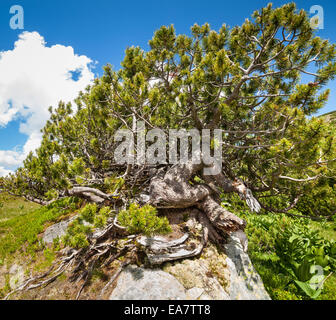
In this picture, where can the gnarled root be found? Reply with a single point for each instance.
(221, 218)
(83, 261)
(174, 190)
(160, 250)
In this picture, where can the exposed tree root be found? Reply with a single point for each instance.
(83, 261)
(160, 251)
(160, 243)
(29, 284)
(221, 218)
(174, 188)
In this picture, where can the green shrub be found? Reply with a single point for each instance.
(101, 217)
(77, 240)
(135, 219)
(88, 213)
(318, 201)
(143, 220)
(301, 251)
(76, 236)
(88, 219)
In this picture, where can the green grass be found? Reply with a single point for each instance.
(11, 206)
(22, 222)
(329, 291)
(327, 229)
(262, 231)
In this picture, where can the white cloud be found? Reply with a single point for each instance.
(4, 172)
(33, 77)
(10, 158)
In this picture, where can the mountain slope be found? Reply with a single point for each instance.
(330, 116)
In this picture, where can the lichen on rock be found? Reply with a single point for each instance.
(207, 272)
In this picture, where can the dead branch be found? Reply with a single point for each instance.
(91, 194)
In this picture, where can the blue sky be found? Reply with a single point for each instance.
(101, 30)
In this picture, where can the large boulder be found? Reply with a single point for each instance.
(207, 274)
(215, 275)
(145, 284)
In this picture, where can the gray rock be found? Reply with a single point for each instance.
(197, 279)
(16, 276)
(213, 276)
(57, 230)
(245, 282)
(195, 293)
(146, 284)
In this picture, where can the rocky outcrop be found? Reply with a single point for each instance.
(208, 274)
(15, 276)
(57, 230)
(245, 282)
(145, 284)
(214, 275)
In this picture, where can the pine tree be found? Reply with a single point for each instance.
(260, 83)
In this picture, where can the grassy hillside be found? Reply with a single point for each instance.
(22, 221)
(330, 116)
(11, 206)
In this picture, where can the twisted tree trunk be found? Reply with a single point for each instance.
(174, 189)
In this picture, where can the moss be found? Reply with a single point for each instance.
(7, 288)
(46, 261)
(217, 265)
(98, 274)
(209, 272)
(279, 294)
(185, 272)
(62, 277)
